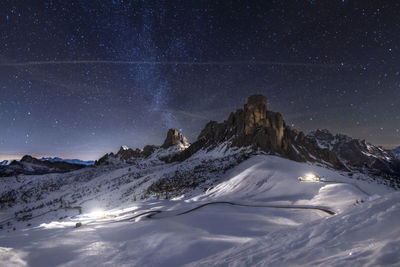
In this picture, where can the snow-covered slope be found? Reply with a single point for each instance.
(227, 207)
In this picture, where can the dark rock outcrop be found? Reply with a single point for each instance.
(262, 129)
(174, 137)
(127, 153)
(256, 127)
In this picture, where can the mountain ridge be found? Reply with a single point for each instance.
(255, 127)
(72, 161)
(29, 165)
(259, 128)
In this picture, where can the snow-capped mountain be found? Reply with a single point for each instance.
(261, 129)
(5, 162)
(72, 161)
(174, 143)
(30, 166)
(232, 197)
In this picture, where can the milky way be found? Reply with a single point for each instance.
(81, 78)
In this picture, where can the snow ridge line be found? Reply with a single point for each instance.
(355, 185)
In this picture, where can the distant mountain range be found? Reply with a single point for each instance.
(29, 165)
(72, 161)
(5, 162)
(55, 159)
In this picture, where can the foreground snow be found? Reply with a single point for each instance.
(276, 220)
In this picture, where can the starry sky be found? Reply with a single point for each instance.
(80, 78)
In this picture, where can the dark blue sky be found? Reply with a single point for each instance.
(66, 90)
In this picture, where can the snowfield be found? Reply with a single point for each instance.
(256, 213)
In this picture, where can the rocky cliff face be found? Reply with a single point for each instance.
(262, 129)
(256, 127)
(175, 137)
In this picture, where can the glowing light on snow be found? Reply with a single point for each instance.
(97, 213)
(309, 177)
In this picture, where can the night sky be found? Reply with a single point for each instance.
(81, 78)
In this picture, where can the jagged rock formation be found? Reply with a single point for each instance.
(358, 154)
(175, 141)
(175, 137)
(260, 128)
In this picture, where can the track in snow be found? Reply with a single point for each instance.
(151, 213)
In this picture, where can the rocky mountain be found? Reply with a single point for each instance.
(29, 165)
(257, 128)
(253, 128)
(174, 143)
(358, 154)
(175, 138)
(261, 129)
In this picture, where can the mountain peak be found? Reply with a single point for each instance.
(30, 159)
(257, 100)
(175, 137)
(255, 113)
(257, 127)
